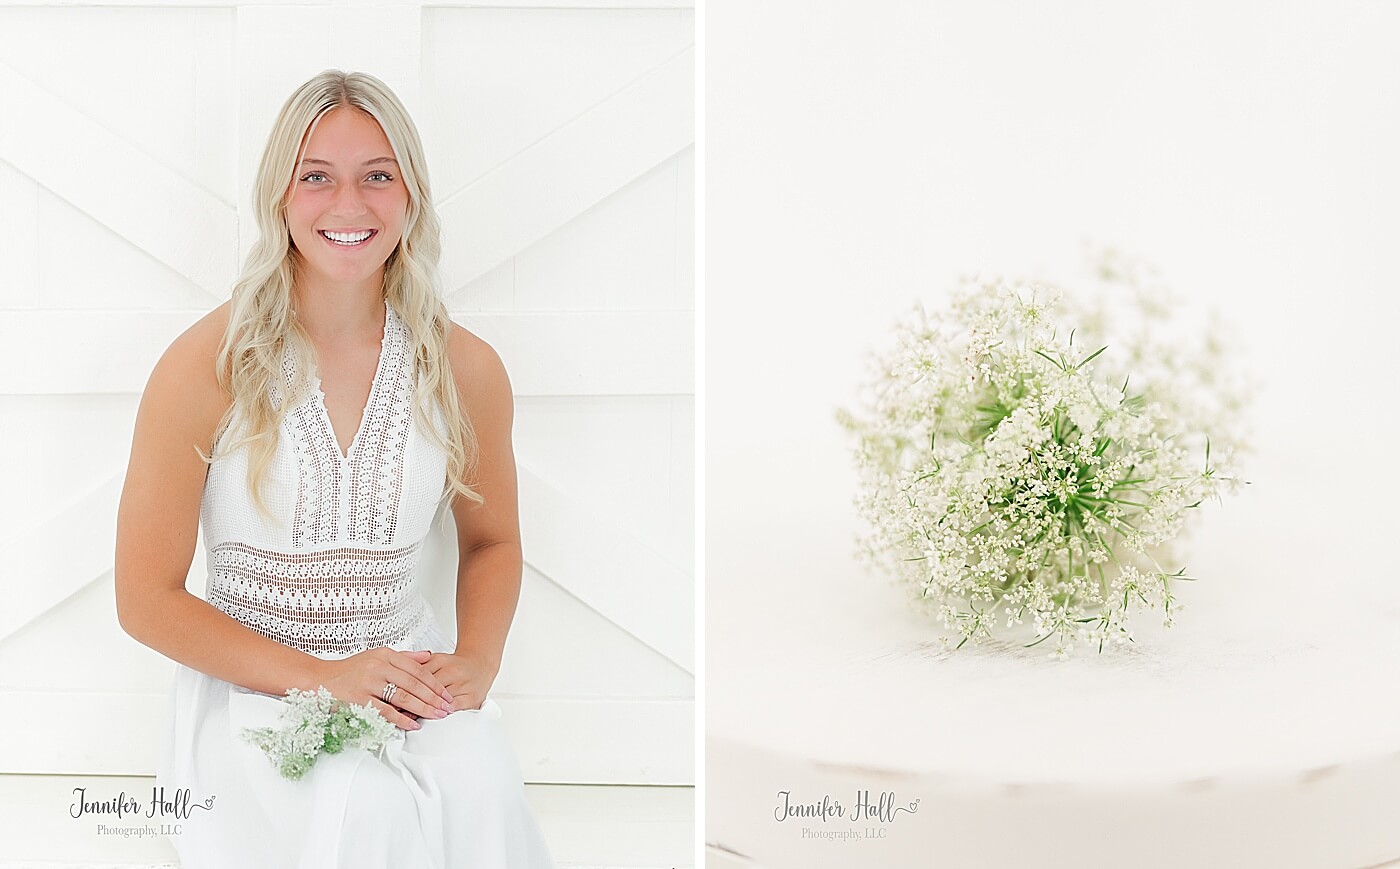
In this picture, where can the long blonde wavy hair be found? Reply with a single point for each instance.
(261, 325)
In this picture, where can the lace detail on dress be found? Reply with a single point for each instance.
(371, 474)
(336, 602)
(377, 473)
(316, 518)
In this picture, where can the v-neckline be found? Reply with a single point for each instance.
(369, 397)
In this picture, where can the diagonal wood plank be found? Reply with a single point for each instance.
(553, 181)
(546, 352)
(608, 569)
(177, 222)
(45, 567)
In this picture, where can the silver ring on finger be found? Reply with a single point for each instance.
(388, 692)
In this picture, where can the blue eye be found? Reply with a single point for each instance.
(373, 176)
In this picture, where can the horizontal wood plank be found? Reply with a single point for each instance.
(546, 353)
(563, 741)
(592, 353)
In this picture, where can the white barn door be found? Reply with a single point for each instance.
(560, 144)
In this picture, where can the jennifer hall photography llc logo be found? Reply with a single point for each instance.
(868, 818)
(170, 808)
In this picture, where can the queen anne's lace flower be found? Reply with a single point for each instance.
(1017, 470)
(312, 722)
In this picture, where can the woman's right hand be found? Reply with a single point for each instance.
(361, 678)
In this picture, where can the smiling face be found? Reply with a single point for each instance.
(348, 201)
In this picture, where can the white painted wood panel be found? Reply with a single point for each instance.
(625, 135)
(561, 144)
(58, 467)
(19, 226)
(167, 88)
(596, 558)
(573, 62)
(129, 192)
(615, 255)
(46, 565)
(628, 453)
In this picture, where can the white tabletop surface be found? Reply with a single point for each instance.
(1284, 658)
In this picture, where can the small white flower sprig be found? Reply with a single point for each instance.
(1012, 470)
(313, 722)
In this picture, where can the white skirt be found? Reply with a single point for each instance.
(448, 796)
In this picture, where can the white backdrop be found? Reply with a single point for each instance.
(560, 143)
(860, 156)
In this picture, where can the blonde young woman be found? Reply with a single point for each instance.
(312, 426)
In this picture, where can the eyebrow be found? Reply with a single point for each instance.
(370, 162)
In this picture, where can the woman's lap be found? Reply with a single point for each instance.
(431, 796)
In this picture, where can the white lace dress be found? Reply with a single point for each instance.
(332, 574)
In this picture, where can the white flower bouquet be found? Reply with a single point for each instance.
(1015, 465)
(313, 722)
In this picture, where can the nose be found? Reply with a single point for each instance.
(348, 201)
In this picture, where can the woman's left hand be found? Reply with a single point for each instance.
(467, 676)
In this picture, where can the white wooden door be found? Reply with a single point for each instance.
(560, 143)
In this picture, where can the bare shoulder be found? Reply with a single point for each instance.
(481, 377)
(159, 510)
(185, 379)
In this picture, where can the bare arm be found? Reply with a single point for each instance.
(157, 524)
(488, 535)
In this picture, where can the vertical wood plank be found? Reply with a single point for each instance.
(215, 126)
(684, 295)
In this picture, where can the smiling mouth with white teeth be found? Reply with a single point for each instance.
(348, 239)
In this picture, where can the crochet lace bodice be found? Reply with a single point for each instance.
(333, 571)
